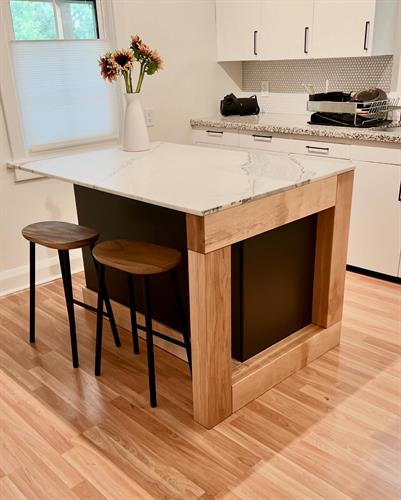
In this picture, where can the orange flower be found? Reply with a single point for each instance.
(156, 58)
(136, 40)
(145, 50)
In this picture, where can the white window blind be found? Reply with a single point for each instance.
(63, 98)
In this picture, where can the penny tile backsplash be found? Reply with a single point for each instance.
(345, 74)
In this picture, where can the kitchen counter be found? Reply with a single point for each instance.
(297, 125)
(189, 179)
(263, 239)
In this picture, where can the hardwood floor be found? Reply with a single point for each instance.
(332, 430)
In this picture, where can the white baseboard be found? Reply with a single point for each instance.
(13, 280)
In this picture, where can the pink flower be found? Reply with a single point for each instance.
(124, 59)
(108, 68)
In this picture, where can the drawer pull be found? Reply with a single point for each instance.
(262, 138)
(216, 133)
(399, 193)
(317, 149)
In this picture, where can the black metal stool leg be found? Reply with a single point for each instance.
(99, 322)
(109, 309)
(66, 274)
(132, 306)
(183, 316)
(149, 342)
(31, 291)
(110, 314)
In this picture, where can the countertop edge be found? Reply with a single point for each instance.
(25, 167)
(337, 133)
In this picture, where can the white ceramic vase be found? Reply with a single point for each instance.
(135, 133)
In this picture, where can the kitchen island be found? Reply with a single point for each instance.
(225, 198)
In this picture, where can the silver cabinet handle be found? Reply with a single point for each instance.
(214, 133)
(306, 40)
(262, 138)
(317, 149)
(366, 37)
(255, 50)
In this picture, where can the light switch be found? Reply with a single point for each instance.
(149, 119)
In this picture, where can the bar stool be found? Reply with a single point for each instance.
(138, 258)
(63, 237)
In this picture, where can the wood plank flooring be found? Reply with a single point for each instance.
(332, 430)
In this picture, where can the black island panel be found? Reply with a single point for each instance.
(272, 285)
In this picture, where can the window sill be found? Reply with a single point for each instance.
(22, 176)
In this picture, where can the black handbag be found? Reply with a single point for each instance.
(232, 105)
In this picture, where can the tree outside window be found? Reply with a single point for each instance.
(54, 19)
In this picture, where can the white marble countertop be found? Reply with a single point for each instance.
(189, 179)
(298, 125)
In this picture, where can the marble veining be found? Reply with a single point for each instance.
(189, 179)
(297, 125)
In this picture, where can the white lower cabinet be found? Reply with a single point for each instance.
(268, 142)
(375, 231)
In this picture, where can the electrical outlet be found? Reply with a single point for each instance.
(149, 117)
(264, 87)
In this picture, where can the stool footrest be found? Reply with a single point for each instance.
(87, 306)
(162, 336)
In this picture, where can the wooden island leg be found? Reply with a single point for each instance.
(331, 256)
(210, 306)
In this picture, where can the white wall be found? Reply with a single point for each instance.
(190, 85)
(396, 83)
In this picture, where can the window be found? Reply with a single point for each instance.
(52, 92)
(54, 19)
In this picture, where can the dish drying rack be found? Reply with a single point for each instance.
(368, 111)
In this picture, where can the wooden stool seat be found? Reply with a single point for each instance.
(137, 257)
(60, 235)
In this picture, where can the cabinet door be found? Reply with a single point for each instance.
(286, 29)
(343, 28)
(375, 232)
(238, 29)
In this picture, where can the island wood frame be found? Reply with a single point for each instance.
(219, 389)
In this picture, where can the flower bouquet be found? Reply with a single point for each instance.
(121, 63)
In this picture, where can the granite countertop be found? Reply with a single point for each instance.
(297, 125)
(190, 179)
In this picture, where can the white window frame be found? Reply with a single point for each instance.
(8, 90)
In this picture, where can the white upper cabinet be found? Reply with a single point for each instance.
(296, 29)
(238, 29)
(353, 28)
(286, 29)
